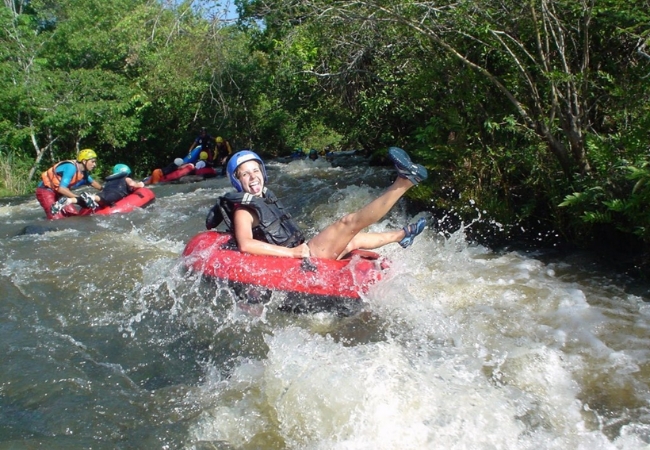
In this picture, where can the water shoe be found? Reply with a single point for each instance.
(89, 199)
(59, 205)
(411, 231)
(405, 167)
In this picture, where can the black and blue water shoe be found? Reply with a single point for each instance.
(415, 173)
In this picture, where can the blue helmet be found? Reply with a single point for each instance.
(121, 168)
(237, 160)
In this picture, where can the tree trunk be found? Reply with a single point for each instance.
(40, 152)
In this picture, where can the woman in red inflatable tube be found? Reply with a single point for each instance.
(262, 227)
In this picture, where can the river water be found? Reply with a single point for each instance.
(107, 342)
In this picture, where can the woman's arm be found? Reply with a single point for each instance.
(244, 222)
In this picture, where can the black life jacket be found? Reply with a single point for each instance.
(205, 141)
(117, 183)
(276, 225)
(115, 188)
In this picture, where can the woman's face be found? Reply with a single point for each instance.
(251, 177)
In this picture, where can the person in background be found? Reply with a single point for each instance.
(118, 185)
(158, 174)
(262, 226)
(59, 180)
(224, 150)
(204, 140)
(202, 143)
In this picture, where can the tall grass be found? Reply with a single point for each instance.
(14, 173)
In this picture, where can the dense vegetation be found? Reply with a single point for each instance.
(534, 114)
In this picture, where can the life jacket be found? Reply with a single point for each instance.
(52, 180)
(275, 224)
(116, 185)
(205, 141)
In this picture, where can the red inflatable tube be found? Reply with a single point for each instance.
(214, 254)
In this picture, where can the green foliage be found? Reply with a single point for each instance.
(627, 210)
(554, 133)
(14, 175)
(127, 78)
(320, 136)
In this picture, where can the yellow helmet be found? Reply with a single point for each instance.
(203, 156)
(86, 154)
(219, 139)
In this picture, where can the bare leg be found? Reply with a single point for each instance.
(333, 240)
(371, 241)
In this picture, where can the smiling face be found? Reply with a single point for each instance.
(251, 177)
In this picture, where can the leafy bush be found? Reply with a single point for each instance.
(622, 201)
(14, 175)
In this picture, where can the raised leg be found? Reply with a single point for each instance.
(333, 240)
(338, 238)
